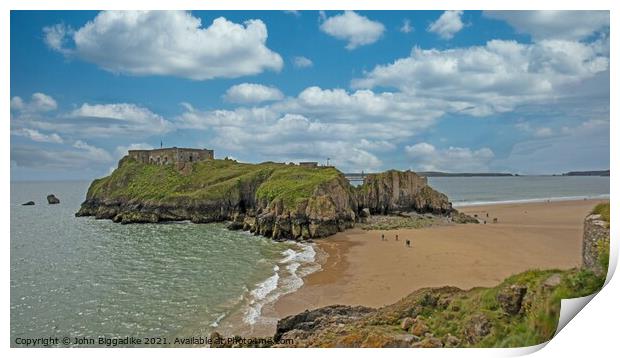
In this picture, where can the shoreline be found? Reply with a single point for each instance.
(254, 315)
(555, 199)
(360, 269)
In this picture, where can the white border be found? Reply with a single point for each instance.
(591, 333)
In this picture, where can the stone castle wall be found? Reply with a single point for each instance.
(595, 240)
(173, 155)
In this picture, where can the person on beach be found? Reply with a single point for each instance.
(407, 243)
(396, 237)
(382, 237)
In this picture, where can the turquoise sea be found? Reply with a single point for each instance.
(90, 278)
(83, 277)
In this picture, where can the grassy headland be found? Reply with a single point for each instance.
(211, 180)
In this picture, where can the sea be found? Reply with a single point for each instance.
(81, 277)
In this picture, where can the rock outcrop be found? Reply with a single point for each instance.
(304, 324)
(478, 327)
(52, 199)
(395, 191)
(510, 299)
(274, 200)
(595, 250)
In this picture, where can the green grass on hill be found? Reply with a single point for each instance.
(211, 180)
(449, 311)
(603, 210)
(294, 183)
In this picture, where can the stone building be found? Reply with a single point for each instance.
(309, 164)
(172, 155)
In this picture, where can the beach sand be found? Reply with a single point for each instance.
(360, 269)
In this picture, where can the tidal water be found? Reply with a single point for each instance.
(91, 278)
(492, 190)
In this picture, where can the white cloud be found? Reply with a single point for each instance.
(357, 30)
(116, 119)
(448, 24)
(302, 62)
(268, 133)
(37, 136)
(39, 102)
(252, 93)
(548, 24)
(376, 145)
(80, 156)
(406, 28)
(17, 103)
(97, 154)
(294, 137)
(543, 132)
(55, 36)
(453, 159)
(364, 105)
(493, 78)
(582, 147)
(320, 123)
(122, 150)
(588, 126)
(538, 132)
(169, 43)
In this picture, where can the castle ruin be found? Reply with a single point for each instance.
(172, 155)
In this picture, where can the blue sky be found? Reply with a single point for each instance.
(523, 92)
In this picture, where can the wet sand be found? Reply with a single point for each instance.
(360, 269)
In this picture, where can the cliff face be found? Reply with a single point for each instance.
(270, 199)
(325, 211)
(394, 191)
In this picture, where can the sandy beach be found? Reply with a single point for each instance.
(360, 269)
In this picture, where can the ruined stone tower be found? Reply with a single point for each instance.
(172, 155)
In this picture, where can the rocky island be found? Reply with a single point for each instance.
(276, 200)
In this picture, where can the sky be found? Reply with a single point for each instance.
(459, 91)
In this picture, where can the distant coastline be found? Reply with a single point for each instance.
(443, 174)
(492, 174)
(602, 173)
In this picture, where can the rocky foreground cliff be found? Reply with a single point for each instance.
(522, 311)
(281, 201)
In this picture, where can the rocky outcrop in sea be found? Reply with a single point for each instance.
(52, 199)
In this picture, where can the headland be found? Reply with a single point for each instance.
(277, 200)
